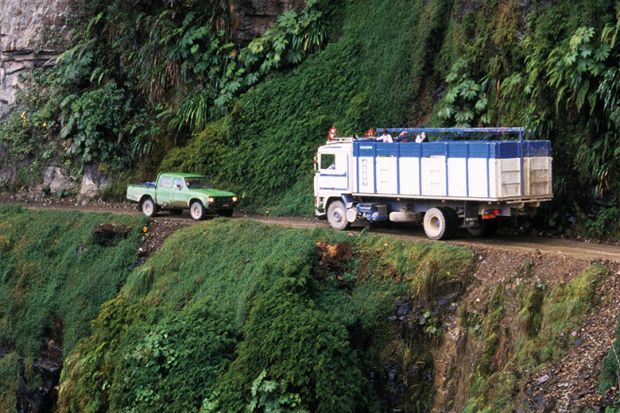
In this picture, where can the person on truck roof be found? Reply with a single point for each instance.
(420, 137)
(386, 137)
(370, 133)
(402, 137)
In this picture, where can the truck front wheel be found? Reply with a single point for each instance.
(148, 207)
(337, 216)
(197, 211)
(437, 225)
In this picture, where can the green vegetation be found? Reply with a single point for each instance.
(144, 77)
(264, 148)
(53, 278)
(234, 315)
(610, 372)
(513, 346)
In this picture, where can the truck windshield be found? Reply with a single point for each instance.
(197, 183)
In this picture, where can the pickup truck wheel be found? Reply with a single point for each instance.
(148, 207)
(337, 216)
(437, 225)
(197, 211)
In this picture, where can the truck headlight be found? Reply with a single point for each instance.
(211, 200)
(235, 199)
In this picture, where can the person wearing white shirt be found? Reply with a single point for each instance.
(386, 137)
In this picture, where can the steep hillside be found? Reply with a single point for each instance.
(56, 269)
(236, 315)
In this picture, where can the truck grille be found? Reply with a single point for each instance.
(222, 202)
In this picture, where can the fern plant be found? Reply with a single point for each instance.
(465, 103)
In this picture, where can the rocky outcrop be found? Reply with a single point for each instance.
(32, 34)
(56, 182)
(93, 182)
(250, 18)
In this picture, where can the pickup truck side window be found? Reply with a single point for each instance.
(178, 183)
(328, 161)
(165, 182)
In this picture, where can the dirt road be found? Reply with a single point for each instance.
(519, 243)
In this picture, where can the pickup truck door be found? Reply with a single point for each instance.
(179, 197)
(164, 187)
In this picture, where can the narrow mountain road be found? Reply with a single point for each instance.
(516, 243)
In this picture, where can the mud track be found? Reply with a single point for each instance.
(515, 243)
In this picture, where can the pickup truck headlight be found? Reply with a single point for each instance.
(211, 200)
(235, 199)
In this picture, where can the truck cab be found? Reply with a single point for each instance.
(332, 177)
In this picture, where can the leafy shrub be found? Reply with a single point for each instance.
(93, 123)
(274, 129)
(172, 365)
(466, 102)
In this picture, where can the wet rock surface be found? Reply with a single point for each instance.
(252, 18)
(38, 388)
(32, 34)
(55, 181)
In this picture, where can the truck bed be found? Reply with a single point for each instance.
(135, 192)
(508, 171)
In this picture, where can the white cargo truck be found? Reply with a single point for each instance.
(447, 182)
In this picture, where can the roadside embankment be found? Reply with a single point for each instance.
(233, 315)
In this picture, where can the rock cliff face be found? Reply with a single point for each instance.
(32, 33)
(252, 17)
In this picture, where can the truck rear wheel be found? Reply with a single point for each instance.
(453, 221)
(197, 211)
(148, 207)
(437, 224)
(337, 216)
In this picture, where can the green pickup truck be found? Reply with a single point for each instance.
(178, 191)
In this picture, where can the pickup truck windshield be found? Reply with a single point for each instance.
(197, 183)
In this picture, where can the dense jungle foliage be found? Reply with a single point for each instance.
(152, 81)
(54, 275)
